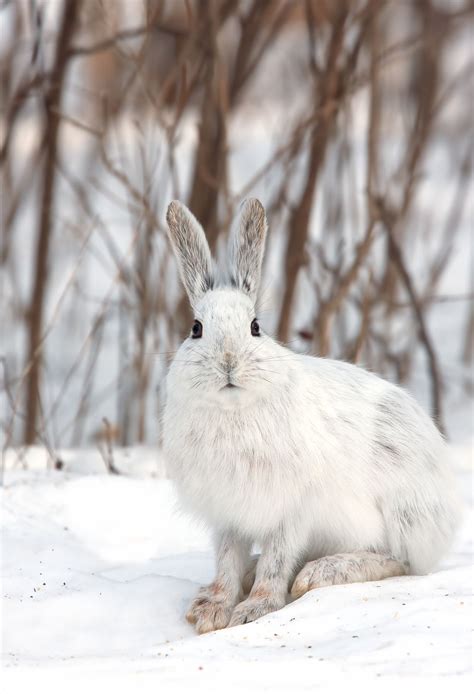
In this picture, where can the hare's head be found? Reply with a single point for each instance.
(225, 355)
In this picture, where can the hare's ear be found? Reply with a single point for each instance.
(247, 244)
(192, 251)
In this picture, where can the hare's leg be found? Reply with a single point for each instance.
(249, 576)
(275, 567)
(356, 567)
(213, 605)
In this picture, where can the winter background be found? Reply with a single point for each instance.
(352, 122)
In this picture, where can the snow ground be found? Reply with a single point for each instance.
(99, 569)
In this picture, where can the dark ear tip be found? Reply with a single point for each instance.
(253, 206)
(174, 210)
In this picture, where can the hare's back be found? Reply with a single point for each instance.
(381, 419)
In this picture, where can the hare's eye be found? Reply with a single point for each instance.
(255, 328)
(196, 330)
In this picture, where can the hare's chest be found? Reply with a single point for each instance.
(232, 473)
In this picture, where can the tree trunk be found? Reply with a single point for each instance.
(52, 101)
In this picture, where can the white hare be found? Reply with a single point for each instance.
(337, 475)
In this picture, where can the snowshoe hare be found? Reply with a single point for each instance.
(337, 475)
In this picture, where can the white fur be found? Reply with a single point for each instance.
(319, 453)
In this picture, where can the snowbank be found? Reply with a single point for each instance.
(98, 570)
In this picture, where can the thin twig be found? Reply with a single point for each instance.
(397, 258)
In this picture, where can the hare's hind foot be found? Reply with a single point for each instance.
(356, 567)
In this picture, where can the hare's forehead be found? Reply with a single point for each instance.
(224, 304)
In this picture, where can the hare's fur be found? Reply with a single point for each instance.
(308, 458)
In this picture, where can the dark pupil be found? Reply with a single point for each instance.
(197, 329)
(255, 328)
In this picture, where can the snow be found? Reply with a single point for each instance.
(98, 570)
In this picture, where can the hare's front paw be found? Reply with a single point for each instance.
(254, 607)
(210, 610)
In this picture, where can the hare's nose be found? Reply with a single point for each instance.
(229, 361)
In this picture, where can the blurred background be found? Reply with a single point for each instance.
(351, 120)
